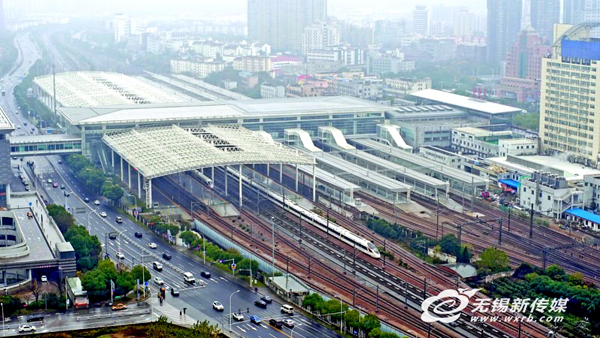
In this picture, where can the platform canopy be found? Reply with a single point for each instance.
(162, 151)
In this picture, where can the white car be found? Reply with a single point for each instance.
(26, 328)
(49, 181)
(158, 281)
(218, 306)
(44, 278)
(120, 255)
(237, 316)
(96, 202)
(103, 214)
(152, 245)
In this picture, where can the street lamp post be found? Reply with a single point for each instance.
(231, 295)
(203, 247)
(273, 239)
(341, 312)
(3, 332)
(88, 219)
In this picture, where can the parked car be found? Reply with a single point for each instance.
(166, 256)
(119, 307)
(260, 303)
(158, 281)
(26, 328)
(205, 274)
(289, 323)
(237, 316)
(255, 319)
(218, 306)
(152, 245)
(138, 234)
(266, 299)
(278, 324)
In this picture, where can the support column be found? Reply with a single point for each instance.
(268, 169)
(281, 173)
(240, 185)
(149, 194)
(112, 157)
(122, 178)
(212, 173)
(314, 184)
(296, 178)
(139, 185)
(129, 175)
(225, 180)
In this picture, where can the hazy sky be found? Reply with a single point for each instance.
(230, 7)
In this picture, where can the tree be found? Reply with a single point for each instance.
(375, 333)
(35, 290)
(314, 302)
(493, 259)
(205, 329)
(112, 191)
(576, 279)
(464, 256)
(523, 270)
(63, 219)
(369, 322)
(136, 273)
(449, 244)
(352, 319)
(87, 247)
(556, 272)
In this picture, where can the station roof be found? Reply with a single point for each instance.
(364, 174)
(465, 102)
(423, 162)
(163, 151)
(330, 179)
(586, 215)
(89, 89)
(5, 123)
(173, 112)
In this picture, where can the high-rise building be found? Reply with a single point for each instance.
(544, 14)
(463, 23)
(421, 20)
(591, 11)
(281, 23)
(521, 80)
(359, 36)
(121, 27)
(320, 35)
(573, 11)
(569, 111)
(503, 22)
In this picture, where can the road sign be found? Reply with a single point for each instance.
(30, 203)
(233, 266)
(146, 283)
(135, 213)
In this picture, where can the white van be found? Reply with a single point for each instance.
(287, 309)
(189, 278)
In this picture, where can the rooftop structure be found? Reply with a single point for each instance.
(89, 89)
(465, 102)
(6, 127)
(526, 165)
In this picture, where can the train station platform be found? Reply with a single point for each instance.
(460, 181)
(371, 182)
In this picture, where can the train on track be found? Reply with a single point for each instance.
(315, 219)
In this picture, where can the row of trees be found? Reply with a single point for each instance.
(156, 224)
(87, 247)
(97, 281)
(368, 324)
(94, 179)
(9, 52)
(492, 261)
(449, 244)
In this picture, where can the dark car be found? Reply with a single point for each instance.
(35, 319)
(166, 256)
(174, 292)
(266, 299)
(62, 186)
(260, 303)
(278, 324)
(139, 235)
(205, 274)
(59, 161)
(112, 235)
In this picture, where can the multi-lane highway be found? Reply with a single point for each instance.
(196, 299)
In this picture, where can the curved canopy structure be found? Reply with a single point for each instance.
(162, 151)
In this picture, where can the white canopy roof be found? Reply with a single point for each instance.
(163, 151)
(89, 89)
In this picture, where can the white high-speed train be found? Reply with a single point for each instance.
(205, 179)
(315, 219)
